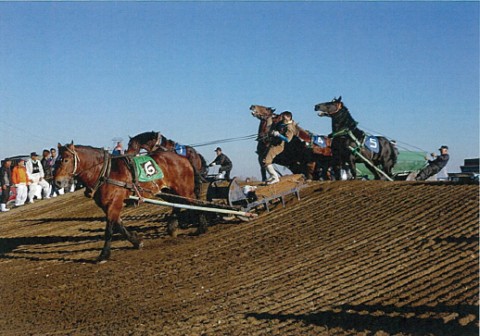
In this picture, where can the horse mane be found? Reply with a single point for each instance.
(146, 136)
(82, 146)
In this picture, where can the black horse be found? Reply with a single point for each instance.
(301, 155)
(350, 143)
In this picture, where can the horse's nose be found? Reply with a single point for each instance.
(58, 184)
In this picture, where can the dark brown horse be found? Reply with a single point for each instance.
(301, 155)
(111, 180)
(154, 141)
(349, 141)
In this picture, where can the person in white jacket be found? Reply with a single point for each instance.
(36, 175)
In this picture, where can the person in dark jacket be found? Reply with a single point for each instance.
(47, 168)
(5, 183)
(224, 162)
(434, 166)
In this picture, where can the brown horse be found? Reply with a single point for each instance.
(111, 180)
(301, 154)
(153, 141)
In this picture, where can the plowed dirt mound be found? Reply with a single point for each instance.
(350, 258)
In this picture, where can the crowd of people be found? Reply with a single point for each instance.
(32, 178)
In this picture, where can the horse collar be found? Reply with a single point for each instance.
(104, 173)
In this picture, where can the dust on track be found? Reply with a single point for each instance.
(350, 258)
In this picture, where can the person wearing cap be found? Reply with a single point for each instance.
(5, 183)
(434, 166)
(21, 181)
(36, 175)
(282, 133)
(225, 164)
(118, 150)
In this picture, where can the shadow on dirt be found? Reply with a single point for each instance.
(8, 245)
(9, 248)
(18, 247)
(362, 317)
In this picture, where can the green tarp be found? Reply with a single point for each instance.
(406, 161)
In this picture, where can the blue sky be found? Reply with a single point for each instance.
(93, 71)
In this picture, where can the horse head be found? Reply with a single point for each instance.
(330, 107)
(147, 140)
(262, 112)
(68, 165)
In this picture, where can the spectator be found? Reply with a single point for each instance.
(5, 183)
(225, 164)
(54, 162)
(47, 169)
(434, 166)
(118, 150)
(21, 181)
(36, 176)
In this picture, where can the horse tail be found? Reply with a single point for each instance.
(204, 169)
(394, 153)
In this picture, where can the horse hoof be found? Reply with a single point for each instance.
(200, 231)
(103, 258)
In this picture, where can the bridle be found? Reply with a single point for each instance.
(158, 143)
(76, 159)
(339, 107)
(104, 172)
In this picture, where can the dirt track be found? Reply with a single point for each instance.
(351, 258)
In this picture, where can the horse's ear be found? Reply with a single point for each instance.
(272, 109)
(129, 137)
(59, 145)
(339, 99)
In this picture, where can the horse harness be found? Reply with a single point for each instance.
(103, 177)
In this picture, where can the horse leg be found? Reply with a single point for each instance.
(172, 225)
(132, 237)
(198, 184)
(353, 169)
(202, 223)
(105, 254)
(325, 174)
(337, 167)
(310, 170)
(388, 167)
(263, 171)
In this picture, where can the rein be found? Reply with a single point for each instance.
(104, 172)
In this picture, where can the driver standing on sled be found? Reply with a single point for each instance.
(282, 132)
(225, 164)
